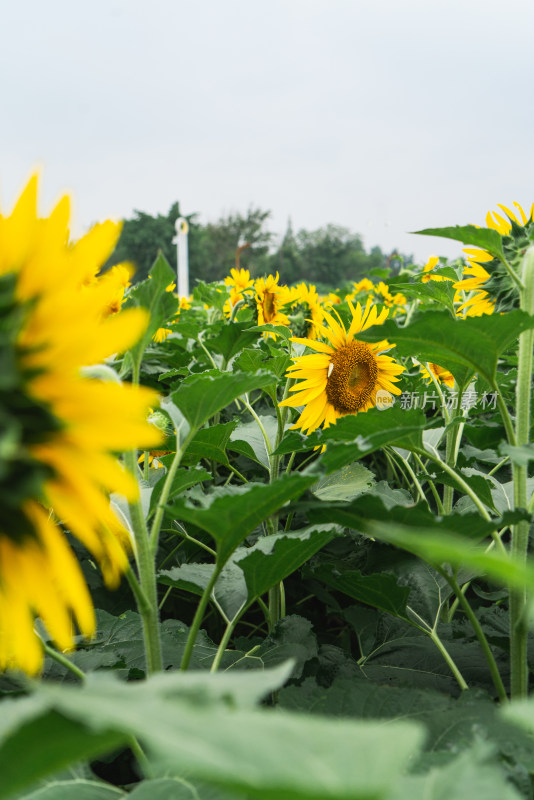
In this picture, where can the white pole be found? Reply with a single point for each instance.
(180, 240)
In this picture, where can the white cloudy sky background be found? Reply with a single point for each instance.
(385, 117)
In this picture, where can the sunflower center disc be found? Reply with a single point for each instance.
(269, 309)
(353, 377)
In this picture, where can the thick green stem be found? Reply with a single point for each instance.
(424, 627)
(520, 531)
(449, 660)
(147, 578)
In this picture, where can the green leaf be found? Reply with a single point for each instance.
(80, 789)
(201, 396)
(476, 481)
(36, 741)
(253, 360)
(380, 590)
(275, 557)
(438, 540)
(122, 638)
(278, 330)
(355, 436)
(441, 292)
(183, 479)
(345, 484)
(518, 455)
(203, 734)
(292, 638)
(229, 515)
(471, 774)
(230, 590)
(177, 789)
(248, 440)
(474, 343)
(214, 295)
(210, 443)
(152, 295)
(486, 238)
(232, 338)
(391, 497)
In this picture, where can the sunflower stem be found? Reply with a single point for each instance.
(520, 531)
(479, 633)
(146, 568)
(461, 483)
(160, 509)
(199, 616)
(63, 660)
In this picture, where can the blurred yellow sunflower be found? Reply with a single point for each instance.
(65, 426)
(306, 298)
(441, 374)
(270, 299)
(428, 269)
(487, 290)
(344, 376)
(240, 280)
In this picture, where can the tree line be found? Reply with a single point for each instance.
(327, 257)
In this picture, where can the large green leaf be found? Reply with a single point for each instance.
(355, 436)
(474, 343)
(229, 515)
(183, 479)
(232, 338)
(177, 789)
(230, 590)
(152, 295)
(345, 484)
(214, 295)
(36, 741)
(194, 733)
(486, 238)
(275, 557)
(201, 396)
(248, 439)
(453, 539)
(80, 789)
(210, 443)
(441, 292)
(380, 590)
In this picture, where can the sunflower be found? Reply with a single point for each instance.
(342, 377)
(270, 299)
(62, 426)
(306, 310)
(240, 280)
(428, 275)
(441, 374)
(492, 288)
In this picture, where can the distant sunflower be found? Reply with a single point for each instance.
(240, 280)
(270, 299)
(62, 427)
(306, 311)
(492, 289)
(441, 374)
(342, 377)
(428, 271)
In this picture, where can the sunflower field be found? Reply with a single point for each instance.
(260, 543)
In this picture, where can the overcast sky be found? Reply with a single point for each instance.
(385, 117)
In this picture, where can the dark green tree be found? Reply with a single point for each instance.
(212, 247)
(328, 257)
